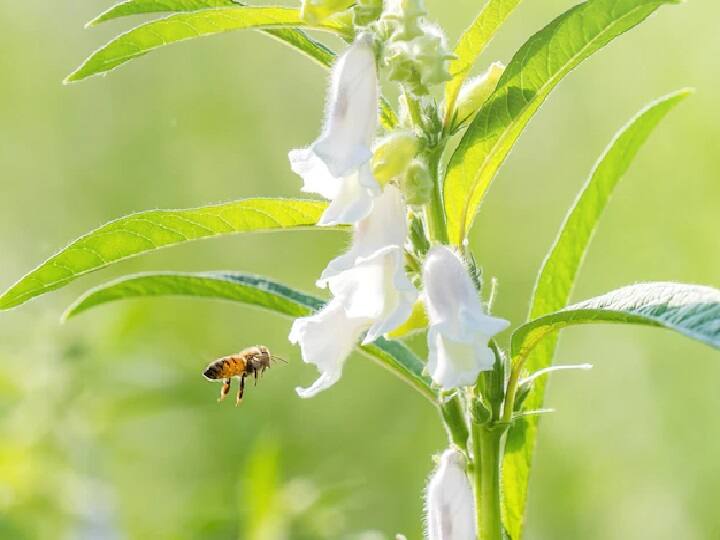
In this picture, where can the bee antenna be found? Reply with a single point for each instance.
(278, 358)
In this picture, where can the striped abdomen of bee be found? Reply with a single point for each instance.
(253, 361)
(226, 367)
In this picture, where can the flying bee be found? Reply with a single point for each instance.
(252, 361)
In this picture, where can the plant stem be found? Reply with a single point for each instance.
(436, 217)
(512, 385)
(487, 446)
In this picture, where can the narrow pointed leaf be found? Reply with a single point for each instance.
(540, 64)
(143, 7)
(291, 36)
(250, 290)
(555, 283)
(182, 26)
(148, 231)
(692, 310)
(471, 45)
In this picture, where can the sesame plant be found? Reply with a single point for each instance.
(405, 178)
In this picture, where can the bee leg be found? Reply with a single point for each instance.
(225, 390)
(241, 391)
(255, 374)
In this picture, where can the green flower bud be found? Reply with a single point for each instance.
(366, 12)
(405, 16)
(420, 62)
(417, 184)
(393, 154)
(315, 11)
(475, 92)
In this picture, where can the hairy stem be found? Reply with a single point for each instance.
(487, 448)
(436, 211)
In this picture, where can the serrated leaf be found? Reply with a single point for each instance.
(148, 231)
(254, 291)
(471, 45)
(692, 310)
(555, 282)
(182, 26)
(540, 64)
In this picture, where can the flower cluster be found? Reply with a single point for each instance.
(371, 293)
(378, 186)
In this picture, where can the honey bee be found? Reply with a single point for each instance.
(252, 361)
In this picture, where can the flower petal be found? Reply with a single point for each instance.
(314, 172)
(384, 226)
(352, 110)
(326, 340)
(353, 200)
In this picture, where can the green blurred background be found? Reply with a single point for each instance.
(107, 429)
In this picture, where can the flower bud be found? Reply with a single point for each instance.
(366, 12)
(315, 11)
(405, 17)
(474, 92)
(417, 183)
(420, 62)
(449, 500)
(393, 154)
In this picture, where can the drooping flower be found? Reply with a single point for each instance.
(326, 340)
(336, 165)
(459, 329)
(370, 292)
(371, 275)
(449, 500)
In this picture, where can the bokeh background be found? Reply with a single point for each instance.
(107, 429)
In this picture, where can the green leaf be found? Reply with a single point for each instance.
(290, 36)
(148, 231)
(254, 291)
(539, 65)
(555, 282)
(182, 26)
(142, 7)
(471, 45)
(293, 37)
(692, 310)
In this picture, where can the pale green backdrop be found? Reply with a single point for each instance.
(107, 429)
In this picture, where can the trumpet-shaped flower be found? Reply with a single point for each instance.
(336, 165)
(370, 292)
(371, 275)
(459, 329)
(326, 340)
(449, 500)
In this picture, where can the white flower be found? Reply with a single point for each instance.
(449, 500)
(336, 165)
(326, 340)
(370, 292)
(459, 329)
(371, 277)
